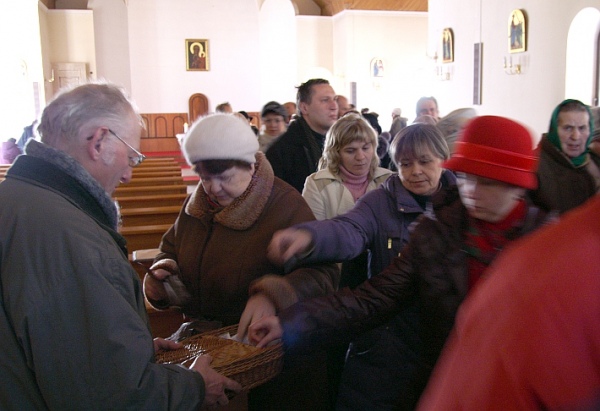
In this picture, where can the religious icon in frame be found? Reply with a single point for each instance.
(517, 33)
(447, 46)
(196, 51)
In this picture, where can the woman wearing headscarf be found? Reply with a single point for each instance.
(568, 173)
(448, 251)
(213, 263)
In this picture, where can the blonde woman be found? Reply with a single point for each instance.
(348, 168)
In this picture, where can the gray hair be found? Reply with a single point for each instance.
(423, 100)
(79, 110)
(412, 142)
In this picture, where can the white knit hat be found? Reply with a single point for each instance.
(220, 137)
(397, 112)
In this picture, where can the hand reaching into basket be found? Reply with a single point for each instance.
(257, 307)
(215, 384)
(160, 344)
(287, 244)
(264, 331)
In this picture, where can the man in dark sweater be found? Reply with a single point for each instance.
(294, 156)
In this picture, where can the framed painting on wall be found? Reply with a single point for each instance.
(517, 34)
(377, 67)
(196, 51)
(447, 46)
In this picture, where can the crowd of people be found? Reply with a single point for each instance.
(416, 268)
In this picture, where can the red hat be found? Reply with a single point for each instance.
(496, 148)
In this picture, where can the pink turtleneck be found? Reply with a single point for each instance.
(357, 185)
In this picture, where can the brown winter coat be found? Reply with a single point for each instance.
(220, 254)
(562, 186)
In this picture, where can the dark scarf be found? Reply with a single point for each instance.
(60, 172)
(316, 141)
(555, 140)
(485, 240)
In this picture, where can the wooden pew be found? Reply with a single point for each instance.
(148, 216)
(129, 191)
(152, 200)
(154, 181)
(159, 159)
(157, 173)
(142, 237)
(163, 163)
(156, 168)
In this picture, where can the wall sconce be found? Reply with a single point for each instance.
(510, 68)
(51, 79)
(433, 57)
(443, 72)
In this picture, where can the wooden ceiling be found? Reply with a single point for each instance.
(328, 7)
(333, 7)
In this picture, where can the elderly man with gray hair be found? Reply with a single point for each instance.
(73, 320)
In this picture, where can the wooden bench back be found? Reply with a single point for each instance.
(132, 191)
(151, 200)
(149, 215)
(153, 181)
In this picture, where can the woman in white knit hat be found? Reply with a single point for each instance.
(213, 262)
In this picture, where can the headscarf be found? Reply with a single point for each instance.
(553, 131)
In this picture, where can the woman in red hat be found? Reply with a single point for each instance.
(451, 246)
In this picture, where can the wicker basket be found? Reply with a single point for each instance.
(252, 368)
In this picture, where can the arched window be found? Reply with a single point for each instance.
(582, 66)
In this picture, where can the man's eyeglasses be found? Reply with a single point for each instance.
(133, 161)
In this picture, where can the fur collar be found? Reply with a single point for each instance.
(71, 167)
(243, 212)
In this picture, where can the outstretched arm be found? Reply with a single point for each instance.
(288, 244)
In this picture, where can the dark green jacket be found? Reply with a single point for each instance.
(74, 327)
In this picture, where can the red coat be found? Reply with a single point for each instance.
(529, 337)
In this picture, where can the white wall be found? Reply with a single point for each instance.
(71, 35)
(314, 48)
(157, 33)
(277, 51)
(530, 97)
(400, 40)
(259, 55)
(111, 31)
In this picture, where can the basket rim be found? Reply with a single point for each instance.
(260, 357)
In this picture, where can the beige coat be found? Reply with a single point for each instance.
(327, 196)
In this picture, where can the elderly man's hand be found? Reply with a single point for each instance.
(215, 383)
(160, 344)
